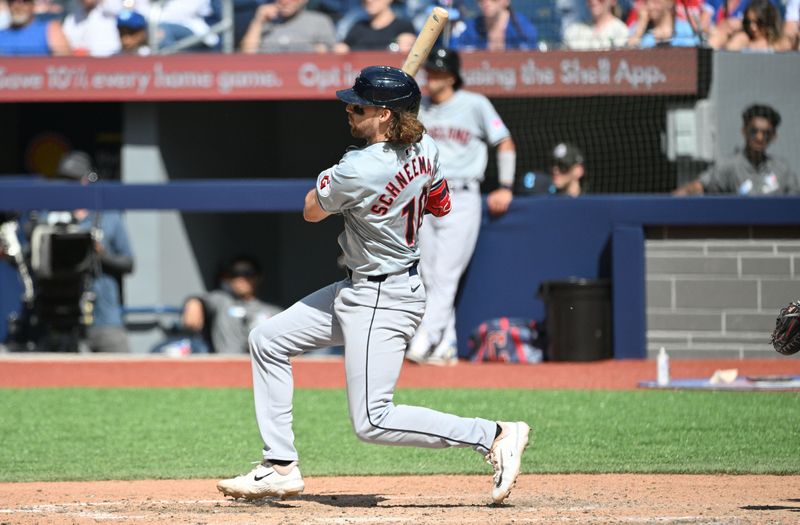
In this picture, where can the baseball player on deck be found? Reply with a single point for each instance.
(463, 124)
(382, 190)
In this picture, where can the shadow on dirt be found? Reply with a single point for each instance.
(357, 501)
(790, 508)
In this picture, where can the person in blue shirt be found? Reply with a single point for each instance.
(30, 36)
(665, 29)
(497, 28)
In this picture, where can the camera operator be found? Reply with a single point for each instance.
(110, 261)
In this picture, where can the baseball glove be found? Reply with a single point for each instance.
(786, 336)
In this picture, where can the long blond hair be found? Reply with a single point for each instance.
(405, 128)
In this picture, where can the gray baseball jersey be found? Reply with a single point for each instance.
(379, 192)
(736, 175)
(463, 127)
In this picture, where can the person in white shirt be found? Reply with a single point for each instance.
(91, 29)
(606, 31)
(176, 19)
(5, 15)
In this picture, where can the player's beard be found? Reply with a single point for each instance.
(355, 131)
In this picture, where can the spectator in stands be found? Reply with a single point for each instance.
(697, 13)
(498, 27)
(225, 316)
(606, 31)
(91, 29)
(176, 19)
(27, 35)
(132, 28)
(286, 25)
(5, 15)
(727, 18)
(570, 12)
(751, 171)
(791, 28)
(761, 30)
(665, 30)
(383, 29)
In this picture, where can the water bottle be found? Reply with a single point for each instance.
(662, 367)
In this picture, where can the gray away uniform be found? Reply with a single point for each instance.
(736, 175)
(381, 193)
(463, 127)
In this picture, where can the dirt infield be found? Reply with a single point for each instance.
(585, 499)
(420, 500)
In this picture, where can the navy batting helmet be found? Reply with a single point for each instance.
(446, 60)
(383, 86)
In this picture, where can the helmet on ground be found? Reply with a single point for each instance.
(383, 86)
(446, 60)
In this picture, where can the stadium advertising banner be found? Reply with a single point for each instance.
(313, 76)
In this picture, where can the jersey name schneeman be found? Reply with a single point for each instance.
(381, 192)
(412, 169)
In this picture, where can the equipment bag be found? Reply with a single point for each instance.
(507, 340)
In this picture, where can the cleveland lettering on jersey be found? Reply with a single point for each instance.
(411, 170)
(441, 133)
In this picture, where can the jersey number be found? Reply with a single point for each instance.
(413, 215)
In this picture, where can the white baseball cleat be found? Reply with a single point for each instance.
(264, 481)
(444, 354)
(506, 457)
(419, 347)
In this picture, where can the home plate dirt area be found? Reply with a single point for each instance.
(576, 498)
(432, 499)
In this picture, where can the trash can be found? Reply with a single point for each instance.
(577, 319)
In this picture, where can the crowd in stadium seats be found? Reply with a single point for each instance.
(101, 27)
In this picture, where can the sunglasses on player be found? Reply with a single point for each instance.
(355, 108)
(753, 132)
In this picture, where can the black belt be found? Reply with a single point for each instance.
(380, 278)
(459, 186)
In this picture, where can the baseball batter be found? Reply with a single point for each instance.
(382, 191)
(463, 124)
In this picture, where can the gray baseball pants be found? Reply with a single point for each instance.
(446, 245)
(374, 321)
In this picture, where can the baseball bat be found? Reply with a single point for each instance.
(425, 40)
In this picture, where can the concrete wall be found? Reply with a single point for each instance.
(719, 296)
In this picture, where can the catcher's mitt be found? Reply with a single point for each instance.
(786, 336)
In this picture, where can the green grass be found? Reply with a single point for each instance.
(81, 434)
